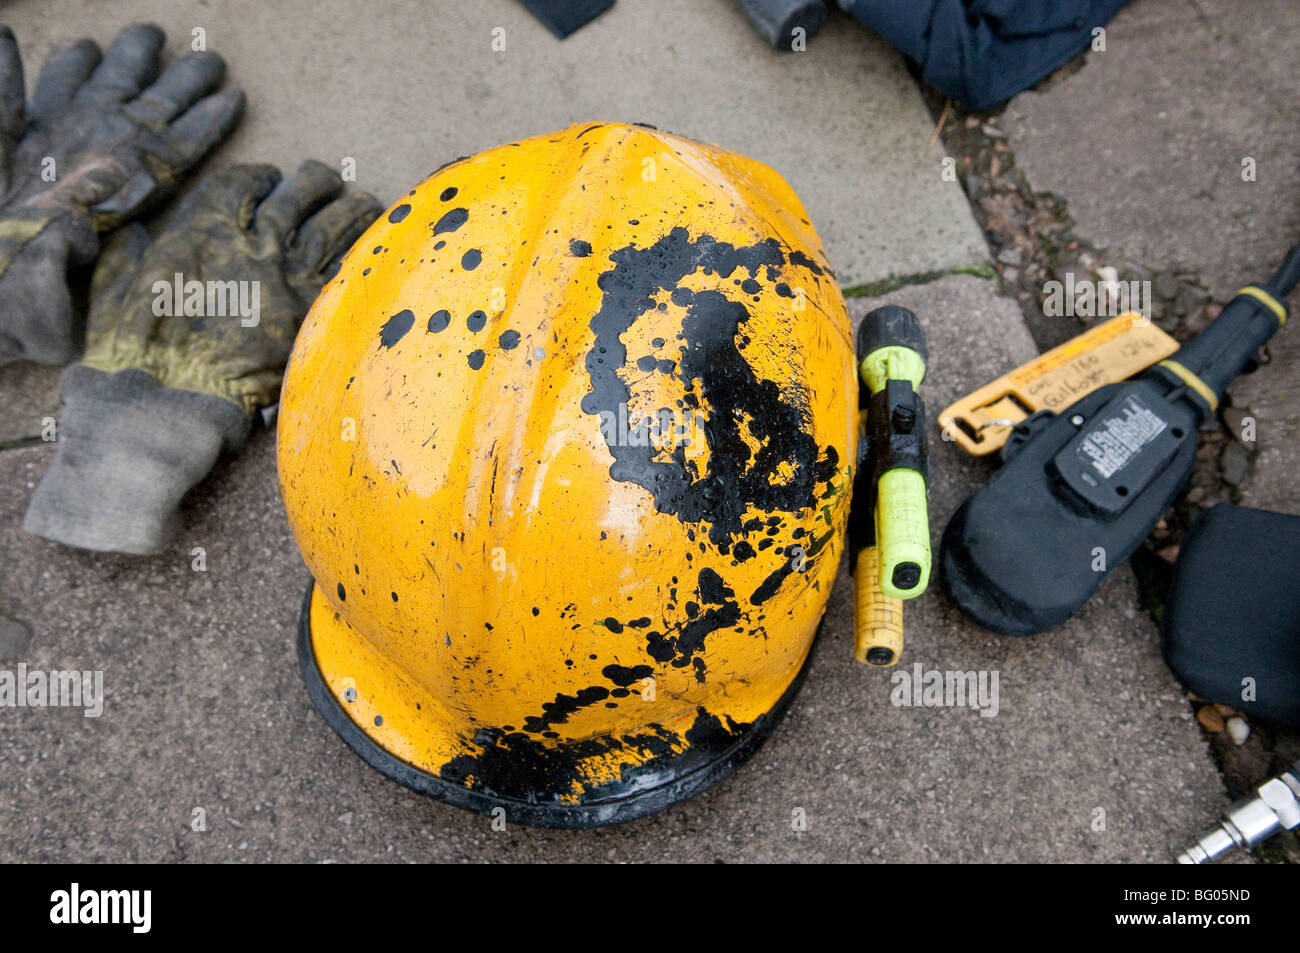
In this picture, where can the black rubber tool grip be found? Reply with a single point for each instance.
(1228, 347)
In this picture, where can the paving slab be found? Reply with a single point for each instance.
(205, 709)
(402, 87)
(1147, 143)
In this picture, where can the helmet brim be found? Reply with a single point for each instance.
(637, 793)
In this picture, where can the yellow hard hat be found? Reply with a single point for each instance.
(567, 445)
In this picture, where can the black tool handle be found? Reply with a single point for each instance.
(1228, 347)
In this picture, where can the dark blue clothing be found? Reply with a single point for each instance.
(983, 52)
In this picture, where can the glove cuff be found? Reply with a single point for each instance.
(129, 449)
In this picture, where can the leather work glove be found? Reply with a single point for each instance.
(173, 375)
(103, 138)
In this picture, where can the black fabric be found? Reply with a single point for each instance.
(1233, 611)
(562, 17)
(983, 52)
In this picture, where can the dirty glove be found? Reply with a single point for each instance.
(173, 373)
(102, 139)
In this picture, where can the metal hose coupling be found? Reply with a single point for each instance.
(1275, 806)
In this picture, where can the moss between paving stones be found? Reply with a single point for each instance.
(874, 289)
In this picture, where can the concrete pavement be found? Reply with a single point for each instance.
(403, 86)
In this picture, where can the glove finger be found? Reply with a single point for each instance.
(325, 237)
(182, 85)
(203, 125)
(12, 89)
(129, 64)
(11, 103)
(235, 191)
(294, 199)
(349, 238)
(67, 67)
(116, 268)
(126, 200)
(93, 182)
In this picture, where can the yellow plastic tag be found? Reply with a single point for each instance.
(1111, 352)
